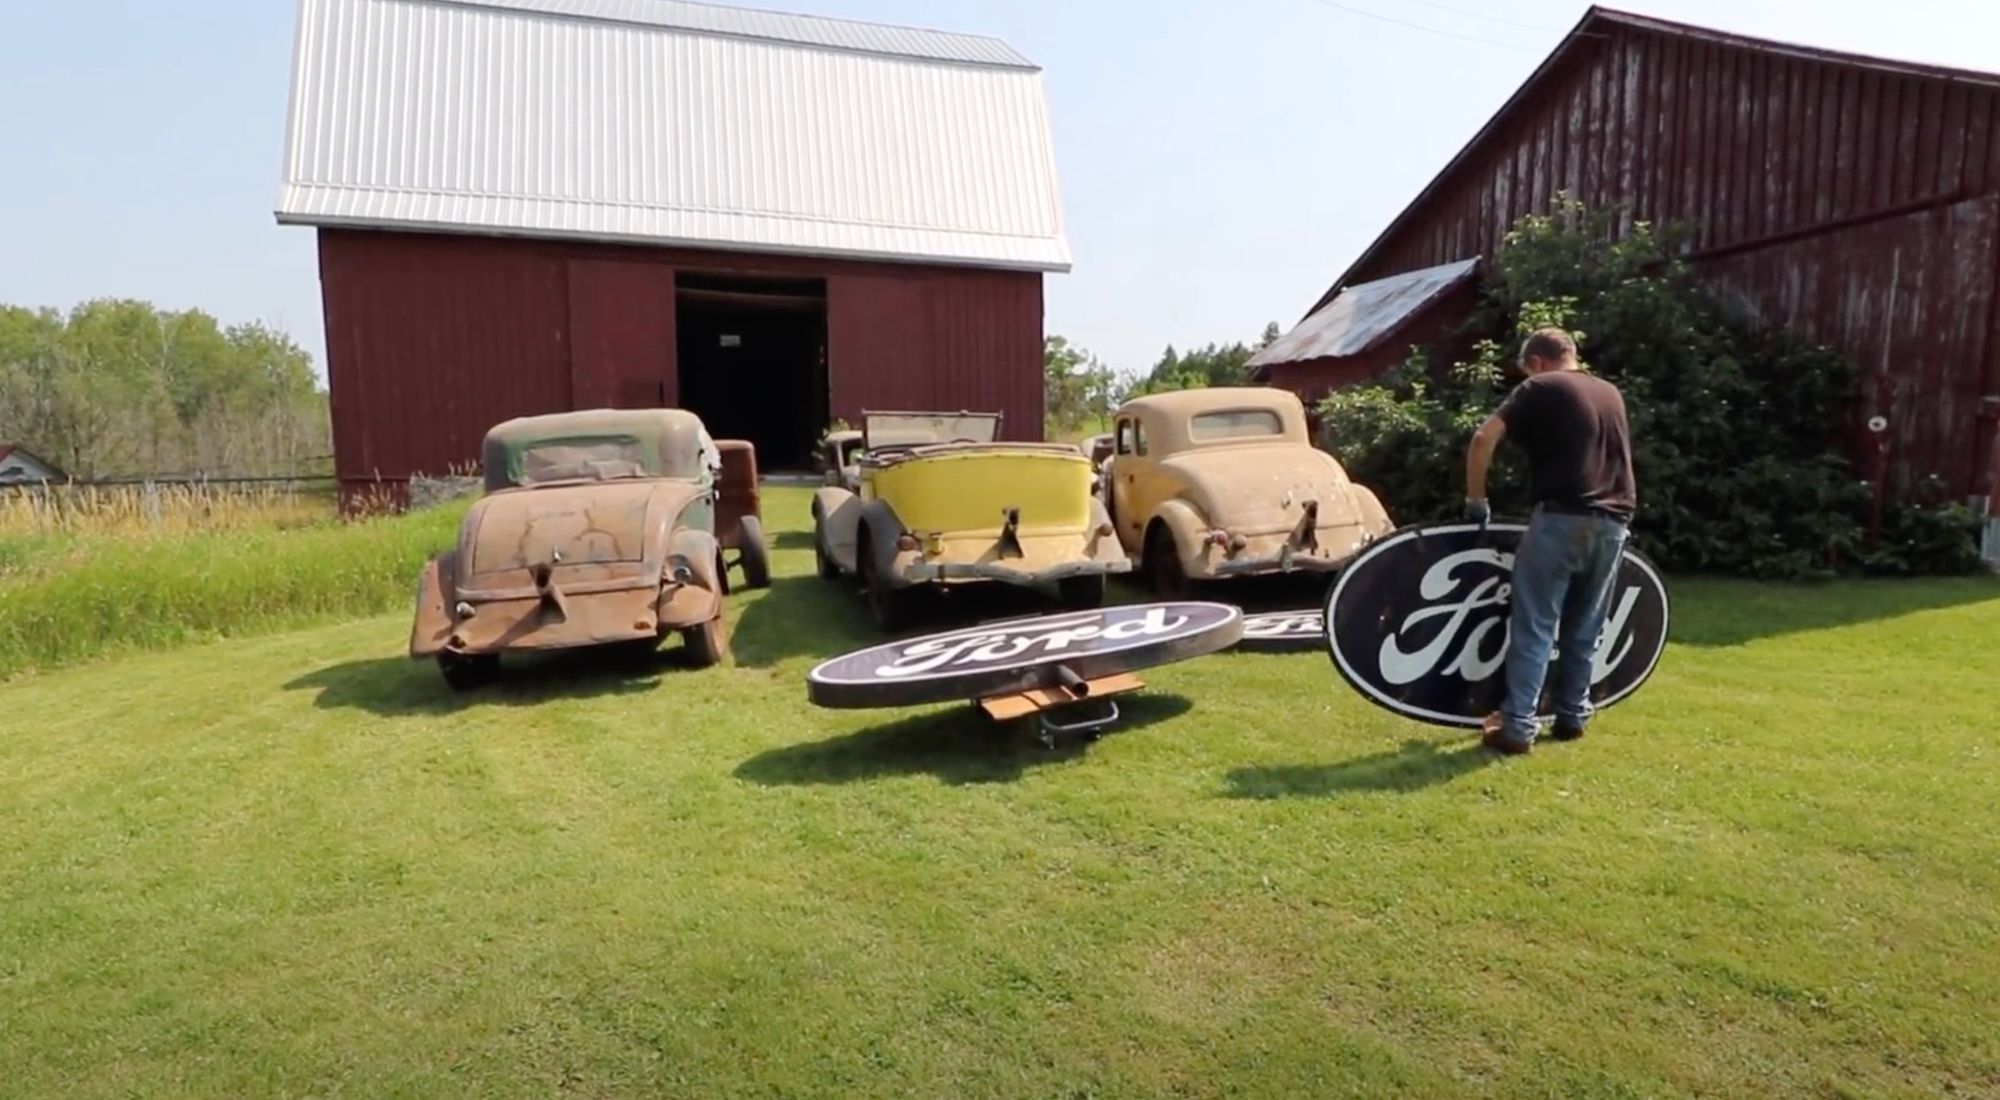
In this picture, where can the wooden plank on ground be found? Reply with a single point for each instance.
(1003, 708)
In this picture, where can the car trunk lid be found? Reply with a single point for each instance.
(1256, 495)
(563, 525)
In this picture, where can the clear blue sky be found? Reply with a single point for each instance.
(1221, 160)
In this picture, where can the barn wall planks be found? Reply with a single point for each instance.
(1741, 144)
(1910, 299)
(428, 345)
(432, 339)
(1826, 188)
(621, 333)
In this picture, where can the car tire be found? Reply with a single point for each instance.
(704, 643)
(753, 554)
(888, 606)
(828, 568)
(465, 672)
(1163, 565)
(1081, 593)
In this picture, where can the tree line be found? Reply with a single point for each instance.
(1080, 391)
(116, 387)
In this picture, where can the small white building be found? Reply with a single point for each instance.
(19, 467)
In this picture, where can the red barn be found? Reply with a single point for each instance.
(528, 206)
(1853, 200)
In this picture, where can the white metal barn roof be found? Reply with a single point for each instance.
(667, 122)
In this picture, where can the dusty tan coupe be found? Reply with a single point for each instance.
(1212, 483)
(597, 527)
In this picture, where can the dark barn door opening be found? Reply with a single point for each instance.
(753, 362)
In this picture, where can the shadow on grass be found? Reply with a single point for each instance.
(791, 540)
(812, 617)
(1418, 764)
(397, 686)
(800, 617)
(1278, 592)
(957, 746)
(1715, 611)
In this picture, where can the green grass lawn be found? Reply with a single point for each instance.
(296, 865)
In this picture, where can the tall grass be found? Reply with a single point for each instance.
(70, 510)
(117, 574)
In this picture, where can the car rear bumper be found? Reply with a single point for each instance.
(1271, 563)
(1214, 565)
(947, 572)
(600, 618)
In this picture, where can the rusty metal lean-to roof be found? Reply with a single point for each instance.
(1361, 317)
(671, 123)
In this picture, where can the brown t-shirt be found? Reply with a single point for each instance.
(1579, 447)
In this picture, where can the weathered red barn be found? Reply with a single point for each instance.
(1853, 200)
(529, 206)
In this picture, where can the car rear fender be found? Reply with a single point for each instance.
(1368, 508)
(883, 528)
(836, 517)
(691, 588)
(437, 587)
(1102, 538)
(1186, 525)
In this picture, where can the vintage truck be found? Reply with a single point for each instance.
(597, 527)
(1225, 482)
(940, 502)
(840, 458)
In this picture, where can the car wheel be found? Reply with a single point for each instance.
(754, 555)
(828, 568)
(1081, 593)
(704, 643)
(468, 671)
(888, 605)
(1163, 565)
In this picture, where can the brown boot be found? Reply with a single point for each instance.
(1493, 734)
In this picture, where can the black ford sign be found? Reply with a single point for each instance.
(1283, 631)
(1418, 624)
(1022, 654)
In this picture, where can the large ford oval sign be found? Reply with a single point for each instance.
(1022, 654)
(1418, 624)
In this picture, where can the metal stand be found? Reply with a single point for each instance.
(1069, 691)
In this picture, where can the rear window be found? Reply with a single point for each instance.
(592, 459)
(1235, 424)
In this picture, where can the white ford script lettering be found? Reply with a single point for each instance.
(1474, 635)
(1006, 645)
(1279, 625)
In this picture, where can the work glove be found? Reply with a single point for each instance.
(1479, 512)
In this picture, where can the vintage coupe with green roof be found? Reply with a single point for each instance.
(597, 527)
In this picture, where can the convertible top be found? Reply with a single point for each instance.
(881, 430)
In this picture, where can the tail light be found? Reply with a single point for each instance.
(907, 543)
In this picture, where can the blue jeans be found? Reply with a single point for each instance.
(1563, 573)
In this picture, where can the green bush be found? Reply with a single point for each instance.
(1731, 426)
(98, 595)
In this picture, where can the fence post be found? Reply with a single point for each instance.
(1989, 547)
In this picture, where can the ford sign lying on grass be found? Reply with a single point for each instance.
(1418, 624)
(1022, 654)
(1283, 631)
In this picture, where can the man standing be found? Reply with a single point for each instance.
(1572, 426)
